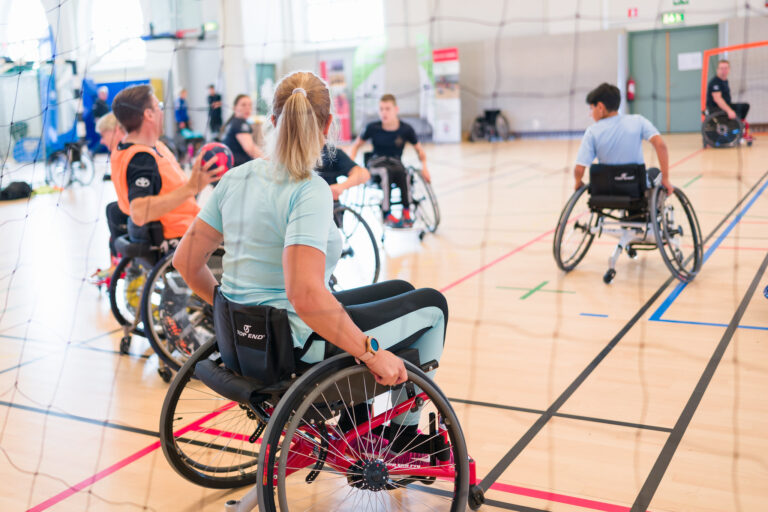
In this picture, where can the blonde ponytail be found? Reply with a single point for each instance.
(301, 106)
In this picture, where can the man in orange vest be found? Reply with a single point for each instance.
(151, 187)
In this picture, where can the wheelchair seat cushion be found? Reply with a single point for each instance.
(129, 249)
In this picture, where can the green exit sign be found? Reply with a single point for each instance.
(672, 18)
(679, 2)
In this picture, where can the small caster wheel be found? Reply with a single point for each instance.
(165, 373)
(632, 252)
(476, 497)
(421, 236)
(125, 345)
(765, 292)
(609, 275)
(749, 143)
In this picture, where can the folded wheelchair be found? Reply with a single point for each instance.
(626, 202)
(148, 297)
(245, 410)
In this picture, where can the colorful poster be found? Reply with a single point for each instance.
(368, 81)
(332, 72)
(426, 82)
(447, 126)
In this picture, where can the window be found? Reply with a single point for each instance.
(337, 23)
(27, 24)
(116, 28)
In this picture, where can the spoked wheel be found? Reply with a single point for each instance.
(720, 131)
(575, 231)
(677, 232)
(424, 201)
(57, 170)
(83, 169)
(125, 288)
(334, 443)
(177, 321)
(360, 262)
(208, 439)
(502, 127)
(478, 130)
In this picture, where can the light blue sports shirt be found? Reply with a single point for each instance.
(615, 140)
(259, 211)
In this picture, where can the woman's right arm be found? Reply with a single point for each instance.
(304, 269)
(191, 258)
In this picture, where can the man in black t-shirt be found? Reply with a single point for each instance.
(214, 110)
(335, 164)
(389, 136)
(719, 94)
(100, 106)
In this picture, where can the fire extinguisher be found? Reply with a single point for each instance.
(631, 89)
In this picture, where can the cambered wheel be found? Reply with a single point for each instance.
(609, 275)
(478, 130)
(424, 201)
(176, 320)
(83, 169)
(57, 170)
(677, 233)
(360, 262)
(575, 231)
(502, 127)
(316, 432)
(208, 439)
(720, 131)
(125, 288)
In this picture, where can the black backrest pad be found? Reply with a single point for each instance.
(617, 180)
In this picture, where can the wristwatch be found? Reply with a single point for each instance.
(371, 348)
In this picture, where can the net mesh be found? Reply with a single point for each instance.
(534, 61)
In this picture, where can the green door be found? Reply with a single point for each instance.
(655, 64)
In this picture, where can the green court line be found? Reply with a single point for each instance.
(693, 180)
(531, 291)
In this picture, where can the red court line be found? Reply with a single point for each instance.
(559, 498)
(686, 158)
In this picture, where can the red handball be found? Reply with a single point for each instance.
(222, 154)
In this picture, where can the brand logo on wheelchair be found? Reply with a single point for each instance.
(624, 177)
(245, 333)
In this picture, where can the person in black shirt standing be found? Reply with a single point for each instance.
(719, 95)
(238, 134)
(336, 163)
(388, 137)
(214, 110)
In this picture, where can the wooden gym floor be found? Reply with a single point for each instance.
(573, 395)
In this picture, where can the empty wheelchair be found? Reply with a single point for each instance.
(491, 126)
(424, 208)
(719, 131)
(619, 202)
(311, 436)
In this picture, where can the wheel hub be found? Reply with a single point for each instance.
(371, 475)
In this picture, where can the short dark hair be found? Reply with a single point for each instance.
(607, 94)
(724, 61)
(211, 86)
(388, 97)
(129, 106)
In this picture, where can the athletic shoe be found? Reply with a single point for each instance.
(407, 219)
(393, 222)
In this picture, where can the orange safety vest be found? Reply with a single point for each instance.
(175, 222)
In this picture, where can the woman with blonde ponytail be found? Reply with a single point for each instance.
(274, 217)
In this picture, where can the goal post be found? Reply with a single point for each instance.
(760, 64)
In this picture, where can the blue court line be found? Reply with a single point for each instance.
(594, 314)
(656, 316)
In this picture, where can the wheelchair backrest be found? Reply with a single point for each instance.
(367, 158)
(626, 180)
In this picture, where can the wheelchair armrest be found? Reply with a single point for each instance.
(126, 248)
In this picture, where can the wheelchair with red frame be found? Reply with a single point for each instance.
(629, 203)
(244, 411)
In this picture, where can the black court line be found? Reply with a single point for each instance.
(124, 428)
(517, 449)
(562, 415)
(487, 502)
(651, 484)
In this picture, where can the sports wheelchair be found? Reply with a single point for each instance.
(360, 262)
(719, 131)
(424, 207)
(319, 437)
(149, 298)
(621, 202)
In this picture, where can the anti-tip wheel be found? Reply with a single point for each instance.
(125, 345)
(632, 252)
(165, 373)
(609, 275)
(476, 497)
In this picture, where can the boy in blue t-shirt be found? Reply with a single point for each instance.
(617, 139)
(388, 137)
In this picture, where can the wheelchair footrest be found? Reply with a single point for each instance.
(226, 382)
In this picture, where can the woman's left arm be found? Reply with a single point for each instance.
(191, 258)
